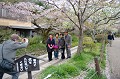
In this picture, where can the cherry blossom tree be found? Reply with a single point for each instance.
(82, 10)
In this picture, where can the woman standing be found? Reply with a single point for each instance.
(56, 47)
(62, 46)
(50, 45)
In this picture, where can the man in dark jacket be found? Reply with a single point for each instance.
(62, 46)
(110, 38)
(9, 49)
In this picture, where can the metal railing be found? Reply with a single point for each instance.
(7, 14)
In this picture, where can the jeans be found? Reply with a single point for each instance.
(13, 73)
(110, 42)
(56, 53)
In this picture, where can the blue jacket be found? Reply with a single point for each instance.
(110, 37)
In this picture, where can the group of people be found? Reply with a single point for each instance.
(58, 44)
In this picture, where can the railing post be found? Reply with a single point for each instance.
(97, 67)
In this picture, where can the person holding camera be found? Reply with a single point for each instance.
(8, 53)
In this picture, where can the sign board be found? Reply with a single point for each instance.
(27, 63)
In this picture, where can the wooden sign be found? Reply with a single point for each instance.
(27, 63)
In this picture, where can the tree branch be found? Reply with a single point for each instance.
(34, 22)
(114, 17)
(64, 13)
(73, 6)
(92, 13)
(85, 7)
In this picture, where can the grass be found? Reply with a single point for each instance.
(81, 61)
(92, 72)
(67, 70)
(74, 66)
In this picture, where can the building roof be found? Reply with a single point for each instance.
(21, 27)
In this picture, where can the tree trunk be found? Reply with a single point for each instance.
(80, 44)
(44, 38)
(102, 48)
(45, 35)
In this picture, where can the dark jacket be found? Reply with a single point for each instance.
(62, 42)
(110, 37)
(51, 43)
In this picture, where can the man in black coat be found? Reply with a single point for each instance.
(62, 46)
(110, 38)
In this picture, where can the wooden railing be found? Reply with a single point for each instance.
(6, 14)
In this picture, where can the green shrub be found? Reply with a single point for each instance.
(5, 34)
(35, 40)
(89, 43)
(35, 46)
(100, 38)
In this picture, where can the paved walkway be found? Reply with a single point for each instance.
(114, 58)
(43, 64)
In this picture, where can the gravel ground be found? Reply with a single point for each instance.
(114, 59)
